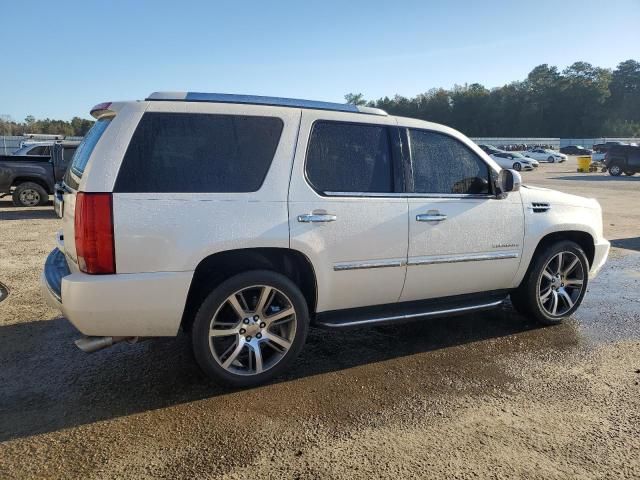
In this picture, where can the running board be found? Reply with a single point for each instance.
(403, 312)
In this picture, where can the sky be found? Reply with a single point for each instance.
(63, 57)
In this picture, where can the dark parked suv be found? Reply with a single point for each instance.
(623, 159)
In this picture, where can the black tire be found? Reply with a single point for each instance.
(551, 159)
(526, 298)
(204, 350)
(517, 166)
(615, 170)
(29, 194)
(629, 174)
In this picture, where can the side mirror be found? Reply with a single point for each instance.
(508, 181)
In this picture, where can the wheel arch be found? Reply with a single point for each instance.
(24, 179)
(617, 160)
(584, 239)
(214, 269)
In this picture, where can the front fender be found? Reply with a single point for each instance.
(557, 220)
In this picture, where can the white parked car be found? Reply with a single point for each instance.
(511, 160)
(244, 220)
(518, 155)
(545, 155)
(514, 160)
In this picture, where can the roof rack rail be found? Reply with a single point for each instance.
(260, 100)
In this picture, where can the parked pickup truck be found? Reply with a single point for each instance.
(31, 179)
(623, 158)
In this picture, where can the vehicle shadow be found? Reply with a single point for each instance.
(632, 243)
(48, 385)
(25, 213)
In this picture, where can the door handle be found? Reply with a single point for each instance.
(317, 218)
(430, 217)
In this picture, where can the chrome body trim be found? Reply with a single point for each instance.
(317, 218)
(430, 217)
(430, 260)
(474, 257)
(428, 313)
(409, 195)
(339, 267)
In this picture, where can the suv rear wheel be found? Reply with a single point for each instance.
(629, 173)
(250, 328)
(555, 285)
(29, 194)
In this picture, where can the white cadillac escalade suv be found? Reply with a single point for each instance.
(243, 220)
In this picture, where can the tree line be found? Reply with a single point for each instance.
(581, 101)
(76, 127)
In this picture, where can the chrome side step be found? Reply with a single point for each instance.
(388, 314)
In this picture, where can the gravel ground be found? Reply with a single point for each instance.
(489, 395)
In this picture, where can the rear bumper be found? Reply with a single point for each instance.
(121, 305)
(601, 252)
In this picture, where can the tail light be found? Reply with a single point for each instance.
(94, 233)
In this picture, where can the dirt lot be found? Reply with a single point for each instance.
(488, 395)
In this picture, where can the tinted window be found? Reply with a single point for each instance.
(345, 157)
(67, 154)
(42, 150)
(83, 152)
(442, 164)
(178, 152)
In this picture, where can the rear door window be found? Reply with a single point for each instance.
(346, 157)
(180, 152)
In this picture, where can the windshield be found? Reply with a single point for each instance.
(83, 152)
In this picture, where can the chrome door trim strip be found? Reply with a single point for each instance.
(409, 195)
(431, 260)
(428, 313)
(475, 257)
(339, 267)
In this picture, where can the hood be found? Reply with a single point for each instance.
(546, 195)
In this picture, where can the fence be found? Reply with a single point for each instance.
(495, 141)
(590, 142)
(555, 143)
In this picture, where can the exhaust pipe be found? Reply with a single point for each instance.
(93, 344)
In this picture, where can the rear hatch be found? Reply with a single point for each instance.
(67, 191)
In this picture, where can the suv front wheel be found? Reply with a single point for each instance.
(555, 285)
(250, 328)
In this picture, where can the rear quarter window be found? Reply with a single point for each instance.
(83, 152)
(181, 152)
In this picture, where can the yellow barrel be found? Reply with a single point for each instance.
(583, 163)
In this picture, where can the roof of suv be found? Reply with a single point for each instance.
(260, 100)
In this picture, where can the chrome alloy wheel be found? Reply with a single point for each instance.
(29, 197)
(252, 330)
(560, 284)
